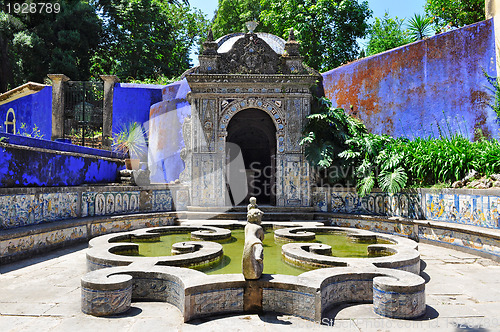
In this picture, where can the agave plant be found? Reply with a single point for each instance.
(131, 140)
(419, 27)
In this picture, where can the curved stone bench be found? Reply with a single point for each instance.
(394, 293)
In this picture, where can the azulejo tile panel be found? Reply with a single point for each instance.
(32, 242)
(452, 237)
(108, 203)
(162, 200)
(477, 210)
(395, 228)
(31, 209)
(378, 203)
(468, 209)
(217, 301)
(129, 224)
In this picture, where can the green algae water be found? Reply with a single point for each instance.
(273, 261)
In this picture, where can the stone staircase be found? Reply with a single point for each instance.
(271, 213)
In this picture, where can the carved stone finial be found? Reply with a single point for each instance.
(251, 25)
(210, 46)
(292, 46)
(210, 36)
(291, 36)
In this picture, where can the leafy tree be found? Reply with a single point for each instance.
(385, 34)
(454, 13)
(40, 43)
(419, 27)
(326, 29)
(9, 25)
(147, 39)
(232, 15)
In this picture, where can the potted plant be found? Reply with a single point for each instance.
(132, 141)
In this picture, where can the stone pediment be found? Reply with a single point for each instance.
(250, 55)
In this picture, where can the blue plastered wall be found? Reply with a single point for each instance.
(427, 88)
(165, 133)
(33, 109)
(131, 103)
(29, 162)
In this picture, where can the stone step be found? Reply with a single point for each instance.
(268, 216)
(126, 173)
(229, 223)
(265, 208)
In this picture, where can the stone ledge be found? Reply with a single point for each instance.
(482, 241)
(470, 229)
(85, 188)
(23, 242)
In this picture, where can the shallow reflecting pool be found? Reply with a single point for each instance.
(273, 261)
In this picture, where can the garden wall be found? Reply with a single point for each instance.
(26, 161)
(424, 87)
(131, 103)
(21, 207)
(33, 109)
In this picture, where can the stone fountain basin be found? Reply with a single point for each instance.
(392, 282)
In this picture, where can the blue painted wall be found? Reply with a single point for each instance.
(33, 109)
(165, 133)
(131, 103)
(24, 164)
(423, 88)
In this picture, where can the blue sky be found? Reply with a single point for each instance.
(399, 8)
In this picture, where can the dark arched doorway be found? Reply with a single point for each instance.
(254, 132)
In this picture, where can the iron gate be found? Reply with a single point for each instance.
(83, 112)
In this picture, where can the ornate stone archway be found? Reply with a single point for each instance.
(252, 137)
(238, 72)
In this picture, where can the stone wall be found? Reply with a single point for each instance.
(465, 219)
(425, 88)
(26, 161)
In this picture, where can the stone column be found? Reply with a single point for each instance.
(107, 108)
(492, 10)
(57, 104)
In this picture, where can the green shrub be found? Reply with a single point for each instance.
(334, 139)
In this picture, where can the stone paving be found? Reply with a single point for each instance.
(43, 294)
